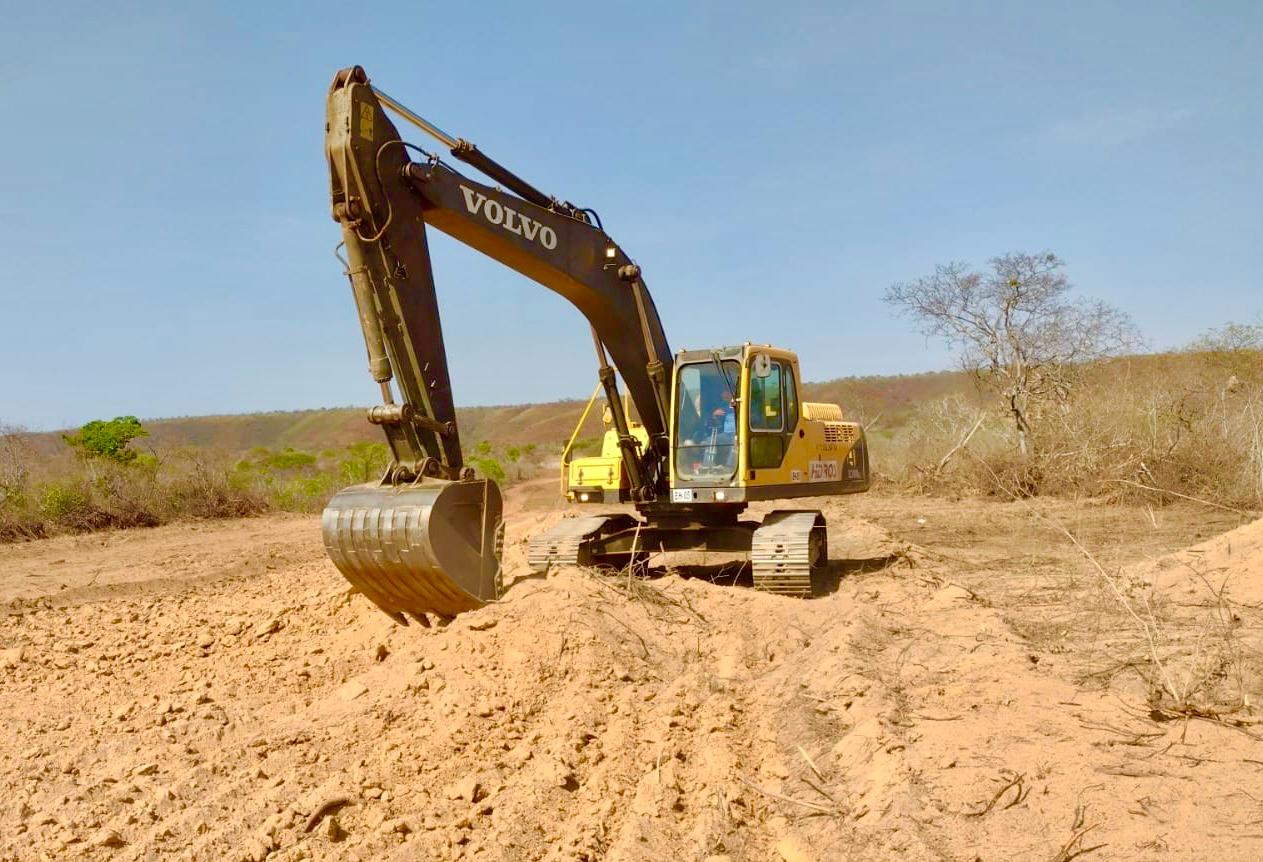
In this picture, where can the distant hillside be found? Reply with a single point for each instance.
(888, 402)
(888, 399)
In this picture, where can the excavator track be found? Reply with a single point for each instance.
(785, 550)
(568, 543)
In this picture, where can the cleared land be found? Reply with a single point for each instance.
(971, 686)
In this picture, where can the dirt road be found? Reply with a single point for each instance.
(972, 689)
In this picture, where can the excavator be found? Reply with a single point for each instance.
(713, 429)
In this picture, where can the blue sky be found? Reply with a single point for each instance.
(772, 167)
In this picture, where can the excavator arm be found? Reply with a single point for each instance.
(425, 538)
(388, 264)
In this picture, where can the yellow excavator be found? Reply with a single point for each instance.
(717, 428)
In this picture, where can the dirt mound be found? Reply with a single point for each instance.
(1231, 563)
(581, 717)
(1194, 623)
(257, 710)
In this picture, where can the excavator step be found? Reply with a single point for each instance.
(785, 550)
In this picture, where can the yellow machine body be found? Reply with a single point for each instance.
(779, 446)
(602, 478)
(744, 438)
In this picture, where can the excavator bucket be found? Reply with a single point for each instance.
(431, 547)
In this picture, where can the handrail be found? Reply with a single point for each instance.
(565, 453)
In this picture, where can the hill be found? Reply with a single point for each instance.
(889, 399)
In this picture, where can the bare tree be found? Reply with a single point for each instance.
(1235, 350)
(15, 456)
(1017, 328)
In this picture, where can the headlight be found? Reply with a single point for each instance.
(719, 496)
(583, 498)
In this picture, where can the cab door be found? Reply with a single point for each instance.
(773, 412)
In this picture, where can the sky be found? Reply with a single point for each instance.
(773, 168)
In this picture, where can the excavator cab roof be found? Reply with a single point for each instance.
(738, 352)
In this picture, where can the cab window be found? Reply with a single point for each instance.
(773, 415)
(705, 420)
(767, 409)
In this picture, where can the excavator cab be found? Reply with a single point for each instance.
(740, 431)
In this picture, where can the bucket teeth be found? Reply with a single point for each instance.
(418, 549)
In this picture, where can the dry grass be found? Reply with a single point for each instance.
(48, 487)
(41, 497)
(1153, 429)
(1148, 428)
(1192, 656)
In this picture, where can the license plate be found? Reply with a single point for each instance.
(681, 495)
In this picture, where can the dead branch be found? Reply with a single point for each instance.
(1074, 848)
(1246, 512)
(1131, 770)
(1131, 737)
(961, 444)
(644, 646)
(812, 764)
(328, 806)
(821, 809)
(1016, 782)
(820, 790)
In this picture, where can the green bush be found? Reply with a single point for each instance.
(488, 467)
(363, 462)
(303, 493)
(58, 501)
(108, 439)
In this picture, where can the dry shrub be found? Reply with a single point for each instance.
(205, 489)
(64, 490)
(1189, 423)
(61, 493)
(16, 519)
(922, 455)
(1170, 422)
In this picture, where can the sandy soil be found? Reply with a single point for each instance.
(972, 687)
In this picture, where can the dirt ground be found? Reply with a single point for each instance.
(970, 686)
